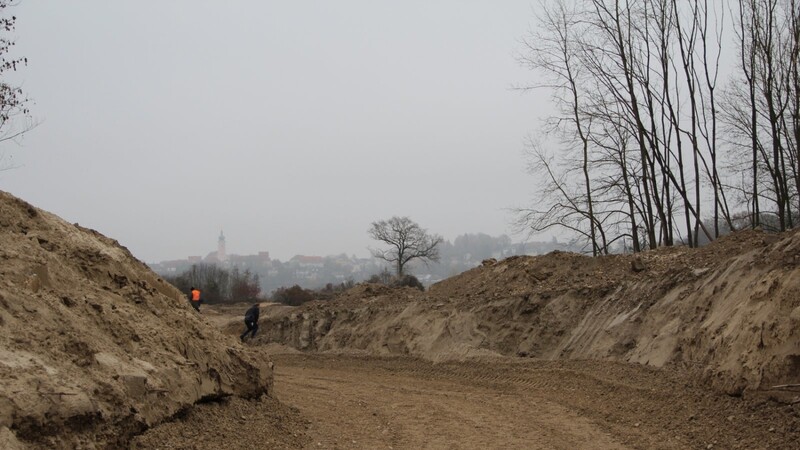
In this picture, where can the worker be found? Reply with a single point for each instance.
(251, 321)
(195, 299)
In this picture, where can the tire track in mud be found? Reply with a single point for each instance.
(518, 403)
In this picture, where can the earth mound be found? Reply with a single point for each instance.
(94, 347)
(730, 310)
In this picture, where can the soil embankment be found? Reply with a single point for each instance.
(94, 347)
(730, 310)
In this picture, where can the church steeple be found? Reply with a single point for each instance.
(221, 247)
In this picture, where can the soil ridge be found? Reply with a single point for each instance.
(94, 346)
(729, 310)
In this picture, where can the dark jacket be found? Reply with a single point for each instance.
(252, 314)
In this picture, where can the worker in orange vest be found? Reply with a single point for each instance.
(194, 297)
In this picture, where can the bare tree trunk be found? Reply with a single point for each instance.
(552, 51)
(583, 138)
(616, 29)
(720, 203)
(630, 200)
(793, 88)
(686, 44)
(767, 45)
(665, 25)
(748, 35)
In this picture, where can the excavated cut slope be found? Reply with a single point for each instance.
(94, 347)
(730, 309)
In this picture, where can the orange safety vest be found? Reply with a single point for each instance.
(195, 295)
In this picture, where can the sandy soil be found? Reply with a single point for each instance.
(345, 401)
(95, 347)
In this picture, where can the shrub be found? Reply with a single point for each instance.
(409, 281)
(387, 279)
(381, 278)
(293, 296)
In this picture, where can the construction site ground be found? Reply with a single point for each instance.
(350, 401)
(674, 348)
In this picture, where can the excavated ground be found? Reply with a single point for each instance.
(730, 310)
(94, 347)
(674, 348)
(347, 401)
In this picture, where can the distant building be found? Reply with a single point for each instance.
(259, 261)
(306, 267)
(221, 254)
(211, 258)
(308, 261)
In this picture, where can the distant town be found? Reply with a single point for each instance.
(312, 271)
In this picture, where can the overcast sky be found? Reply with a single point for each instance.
(290, 125)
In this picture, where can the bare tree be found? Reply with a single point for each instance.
(552, 50)
(635, 83)
(561, 202)
(762, 109)
(407, 241)
(13, 102)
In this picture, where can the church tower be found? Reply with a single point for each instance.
(221, 247)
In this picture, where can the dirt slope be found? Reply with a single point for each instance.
(730, 310)
(94, 347)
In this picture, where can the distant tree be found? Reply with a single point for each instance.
(407, 241)
(244, 285)
(213, 282)
(293, 296)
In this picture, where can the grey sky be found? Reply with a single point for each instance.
(289, 125)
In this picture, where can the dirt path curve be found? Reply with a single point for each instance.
(402, 403)
(324, 401)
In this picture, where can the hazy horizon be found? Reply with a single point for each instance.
(212, 248)
(291, 126)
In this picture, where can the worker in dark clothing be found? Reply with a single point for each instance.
(251, 320)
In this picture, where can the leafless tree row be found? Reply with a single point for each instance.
(646, 145)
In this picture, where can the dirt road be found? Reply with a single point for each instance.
(366, 402)
(369, 402)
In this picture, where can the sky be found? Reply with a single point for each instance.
(289, 125)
